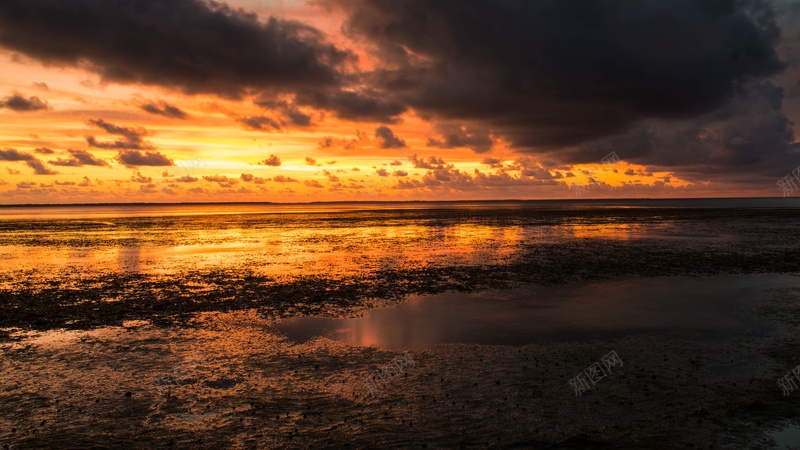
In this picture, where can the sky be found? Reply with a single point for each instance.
(338, 100)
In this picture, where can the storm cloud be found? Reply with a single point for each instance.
(191, 45)
(367, 105)
(749, 134)
(554, 74)
(685, 84)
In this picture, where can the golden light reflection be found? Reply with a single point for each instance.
(603, 231)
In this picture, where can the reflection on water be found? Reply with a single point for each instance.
(336, 240)
(787, 438)
(696, 307)
(159, 210)
(129, 259)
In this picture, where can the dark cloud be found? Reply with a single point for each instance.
(164, 109)
(250, 178)
(387, 138)
(130, 134)
(311, 161)
(39, 168)
(149, 188)
(259, 123)
(313, 184)
(135, 158)
(137, 177)
(216, 178)
(132, 137)
(297, 117)
(359, 105)
(12, 154)
(80, 158)
(555, 74)
(289, 111)
(283, 179)
(273, 161)
(432, 162)
(222, 180)
(348, 144)
(749, 135)
(331, 177)
(44, 151)
(193, 45)
(17, 102)
(187, 179)
(676, 84)
(454, 136)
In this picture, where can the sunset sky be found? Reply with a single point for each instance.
(329, 100)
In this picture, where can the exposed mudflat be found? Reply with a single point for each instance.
(236, 382)
(163, 331)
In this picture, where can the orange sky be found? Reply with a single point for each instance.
(216, 158)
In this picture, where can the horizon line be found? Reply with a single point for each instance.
(12, 205)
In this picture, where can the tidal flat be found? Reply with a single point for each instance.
(257, 328)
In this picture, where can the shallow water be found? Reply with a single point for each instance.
(787, 438)
(161, 262)
(679, 307)
(46, 245)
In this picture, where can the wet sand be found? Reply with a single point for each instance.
(128, 337)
